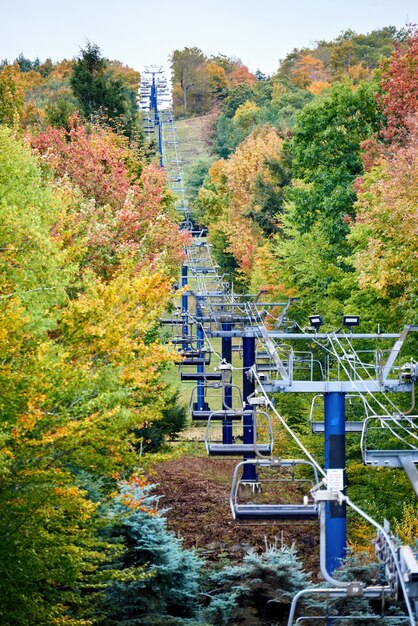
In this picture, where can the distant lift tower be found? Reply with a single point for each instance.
(153, 90)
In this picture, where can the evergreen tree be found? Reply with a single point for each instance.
(259, 591)
(103, 95)
(167, 593)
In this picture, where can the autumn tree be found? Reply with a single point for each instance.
(241, 75)
(228, 196)
(126, 207)
(399, 97)
(11, 96)
(82, 362)
(385, 231)
(186, 67)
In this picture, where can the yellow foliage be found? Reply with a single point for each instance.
(231, 193)
(218, 80)
(246, 114)
(318, 86)
(63, 69)
(126, 73)
(407, 527)
(359, 73)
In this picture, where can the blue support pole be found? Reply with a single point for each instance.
(200, 368)
(335, 458)
(184, 306)
(157, 123)
(248, 387)
(227, 399)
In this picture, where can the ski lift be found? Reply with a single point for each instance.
(267, 501)
(237, 447)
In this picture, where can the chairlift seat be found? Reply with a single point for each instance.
(388, 458)
(184, 340)
(203, 376)
(229, 414)
(238, 449)
(276, 511)
(201, 361)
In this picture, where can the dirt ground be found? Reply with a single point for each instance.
(195, 491)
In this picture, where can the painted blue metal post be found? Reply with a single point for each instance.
(335, 458)
(227, 356)
(184, 306)
(248, 387)
(200, 368)
(157, 123)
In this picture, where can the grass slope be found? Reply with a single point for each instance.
(190, 133)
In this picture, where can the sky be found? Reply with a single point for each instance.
(140, 33)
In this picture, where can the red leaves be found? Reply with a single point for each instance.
(400, 89)
(121, 212)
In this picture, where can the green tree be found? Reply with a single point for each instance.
(326, 157)
(101, 94)
(257, 592)
(169, 588)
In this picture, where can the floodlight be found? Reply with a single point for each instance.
(351, 320)
(316, 321)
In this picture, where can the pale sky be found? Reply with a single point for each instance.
(139, 32)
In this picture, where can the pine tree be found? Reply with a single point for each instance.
(259, 591)
(160, 585)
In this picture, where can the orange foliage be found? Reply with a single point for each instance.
(231, 194)
(318, 86)
(309, 71)
(241, 75)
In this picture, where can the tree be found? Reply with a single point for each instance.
(218, 81)
(257, 592)
(186, 66)
(228, 195)
(11, 96)
(385, 231)
(46, 519)
(241, 75)
(399, 97)
(325, 151)
(81, 360)
(125, 206)
(169, 588)
(101, 93)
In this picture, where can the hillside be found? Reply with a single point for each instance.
(191, 136)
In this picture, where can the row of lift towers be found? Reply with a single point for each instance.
(280, 357)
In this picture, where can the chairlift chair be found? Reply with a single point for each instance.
(387, 438)
(256, 507)
(214, 447)
(194, 357)
(392, 441)
(215, 405)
